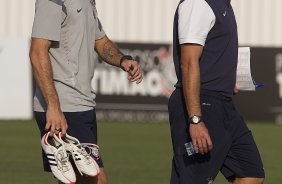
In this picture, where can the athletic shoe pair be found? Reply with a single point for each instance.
(57, 149)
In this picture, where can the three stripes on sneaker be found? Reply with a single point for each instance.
(58, 150)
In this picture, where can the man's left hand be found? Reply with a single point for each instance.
(133, 69)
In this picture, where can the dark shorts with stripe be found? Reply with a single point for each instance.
(234, 151)
(81, 125)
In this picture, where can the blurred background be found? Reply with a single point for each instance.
(133, 122)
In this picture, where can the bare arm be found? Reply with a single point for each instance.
(108, 51)
(42, 70)
(190, 55)
(111, 54)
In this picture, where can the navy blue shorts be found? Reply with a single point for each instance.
(81, 125)
(234, 151)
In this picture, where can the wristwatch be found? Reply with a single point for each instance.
(195, 119)
(125, 57)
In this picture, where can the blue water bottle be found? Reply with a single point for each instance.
(189, 148)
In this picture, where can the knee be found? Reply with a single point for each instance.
(258, 180)
(86, 180)
(102, 180)
(102, 177)
(248, 181)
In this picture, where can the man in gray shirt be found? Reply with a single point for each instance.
(65, 36)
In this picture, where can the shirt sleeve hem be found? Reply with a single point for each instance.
(46, 37)
(100, 36)
(192, 40)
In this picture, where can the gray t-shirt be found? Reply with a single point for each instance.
(73, 27)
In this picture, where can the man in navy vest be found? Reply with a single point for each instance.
(201, 108)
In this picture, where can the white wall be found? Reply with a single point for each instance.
(15, 71)
(16, 18)
(138, 20)
(259, 21)
(15, 80)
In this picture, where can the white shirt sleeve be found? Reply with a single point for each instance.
(99, 33)
(47, 19)
(196, 19)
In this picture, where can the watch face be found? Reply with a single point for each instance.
(195, 119)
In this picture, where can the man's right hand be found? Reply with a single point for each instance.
(55, 121)
(200, 138)
(42, 70)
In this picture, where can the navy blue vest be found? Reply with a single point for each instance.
(218, 62)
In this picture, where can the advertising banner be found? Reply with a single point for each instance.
(265, 104)
(119, 99)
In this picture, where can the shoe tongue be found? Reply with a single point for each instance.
(70, 141)
(57, 145)
(54, 143)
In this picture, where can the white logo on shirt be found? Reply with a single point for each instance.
(224, 14)
(206, 104)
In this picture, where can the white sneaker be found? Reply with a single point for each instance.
(84, 162)
(58, 158)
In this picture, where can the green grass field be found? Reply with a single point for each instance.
(133, 153)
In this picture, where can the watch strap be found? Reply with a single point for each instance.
(123, 58)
